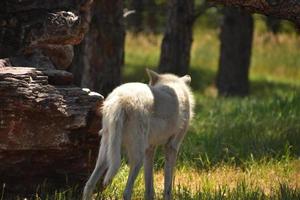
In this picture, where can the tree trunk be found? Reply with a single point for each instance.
(135, 21)
(273, 24)
(144, 19)
(283, 9)
(100, 57)
(236, 43)
(176, 44)
(152, 13)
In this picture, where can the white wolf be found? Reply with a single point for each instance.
(140, 117)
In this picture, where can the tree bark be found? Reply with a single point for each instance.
(144, 19)
(273, 24)
(284, 9)
(100, 57)
(135, 21)
(151, 18)
(176, 44)
(236, 44)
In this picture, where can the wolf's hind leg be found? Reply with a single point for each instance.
(171, 150)
(100, 168)
(134, 171)
(170, 154)
(135, 158)
(148, 173)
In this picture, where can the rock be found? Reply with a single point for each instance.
(28, 24)
(47, 132)
(48, 127)
(60, 55)
(35, 59)
(4, 62)
(47, 27)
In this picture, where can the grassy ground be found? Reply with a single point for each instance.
(236, 148)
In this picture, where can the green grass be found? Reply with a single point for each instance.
(236, 148)
(256, 135)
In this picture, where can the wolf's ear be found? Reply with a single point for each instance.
(187, 79)
(153, 76)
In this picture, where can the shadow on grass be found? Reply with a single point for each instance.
(135, 73)
(265, 88)
(201, 78)
(264, 126)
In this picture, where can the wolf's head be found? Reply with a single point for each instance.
(173, 83)
(155, 78)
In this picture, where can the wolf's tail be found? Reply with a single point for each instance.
(114, 123)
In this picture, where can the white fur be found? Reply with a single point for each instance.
(140, 117)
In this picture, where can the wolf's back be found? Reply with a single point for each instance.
(131, 97)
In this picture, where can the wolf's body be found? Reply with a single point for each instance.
(140, 117)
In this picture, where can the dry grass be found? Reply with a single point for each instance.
(265, 177)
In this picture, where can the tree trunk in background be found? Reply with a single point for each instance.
(273, 24)
(176, 44)
(152, 15)
(100, 57)
(135, 21)
(145, 17)
(236, 43)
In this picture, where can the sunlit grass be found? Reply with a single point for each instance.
(264, 176)
(252, 141)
